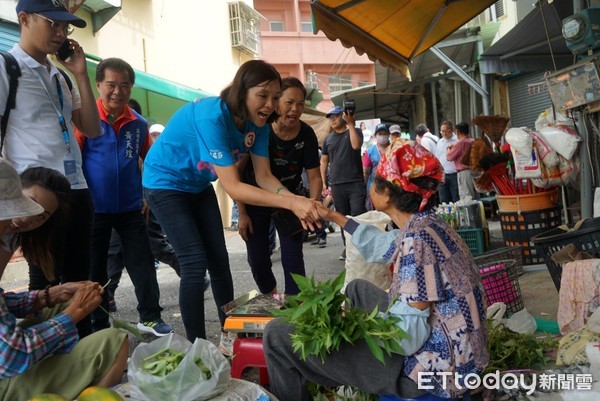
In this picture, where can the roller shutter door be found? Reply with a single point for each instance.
(525, 107)
(9, 34)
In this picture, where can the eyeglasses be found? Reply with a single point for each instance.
(63, 26)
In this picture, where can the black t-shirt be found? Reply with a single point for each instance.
(345, 163)
(289, 158)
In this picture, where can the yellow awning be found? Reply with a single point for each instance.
(393, 31)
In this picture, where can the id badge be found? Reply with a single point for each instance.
(71, 171)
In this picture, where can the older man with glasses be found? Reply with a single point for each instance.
(448, 190)
(39, 131)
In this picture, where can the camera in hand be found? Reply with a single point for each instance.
(349, 106)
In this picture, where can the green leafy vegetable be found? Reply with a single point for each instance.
(206, 373)
(121, 324)
(510, 350)
(322, 325)
(163, 362)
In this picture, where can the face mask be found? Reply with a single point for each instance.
(383, 139)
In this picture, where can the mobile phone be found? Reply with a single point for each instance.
(65, 51)
(349, 106)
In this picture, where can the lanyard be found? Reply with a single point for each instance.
(61, 118)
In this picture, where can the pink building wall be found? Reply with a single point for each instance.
(295, 53)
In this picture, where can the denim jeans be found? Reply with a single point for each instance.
(259, 255)
(160, 246)
(192, 222)
(137, 257)
(349, 199)
(448, 191)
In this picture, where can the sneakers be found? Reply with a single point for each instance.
(315, 242)
(157, 327)
(226, 343)
(343, 255)
(320, 242)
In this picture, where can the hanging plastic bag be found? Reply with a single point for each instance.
(187, 382)
(519, 139)
(547, 154)
(526, 165)
(564, 140)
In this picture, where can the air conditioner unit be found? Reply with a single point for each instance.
(245, 30)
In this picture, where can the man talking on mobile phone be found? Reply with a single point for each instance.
(39, 130)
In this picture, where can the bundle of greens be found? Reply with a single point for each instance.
(166, 361)
(510, 350)
(323, 317)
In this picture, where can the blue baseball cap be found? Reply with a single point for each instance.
(53, 9)
(381, 127)
(334, 111)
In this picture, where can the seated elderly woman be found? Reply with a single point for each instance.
(42, 353)
(436, 290)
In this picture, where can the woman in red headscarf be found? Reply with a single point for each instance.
(436, 290)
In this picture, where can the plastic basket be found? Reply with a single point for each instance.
(473, 237)
(527, 202)
(519, 228)
(507, 252)
(501, 284)
(586, 239)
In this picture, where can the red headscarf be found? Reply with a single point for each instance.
(405, 160)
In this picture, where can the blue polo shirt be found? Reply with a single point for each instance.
(199, 135)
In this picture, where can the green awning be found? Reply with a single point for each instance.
(159, 97)
(156, 84)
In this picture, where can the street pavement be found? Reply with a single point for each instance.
(539, 295)
(323, 262)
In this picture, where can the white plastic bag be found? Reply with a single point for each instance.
(379, 274)
(186, 382)
(522, 322)
(564, 140)
(519, 139)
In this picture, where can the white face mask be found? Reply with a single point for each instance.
(383, 139)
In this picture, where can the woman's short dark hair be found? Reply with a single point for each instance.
(249, 75)
(405, 201)
(115, 64)
(37, 244)
(292, 82)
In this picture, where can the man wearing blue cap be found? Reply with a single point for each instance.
(342, 153)
(39, 130)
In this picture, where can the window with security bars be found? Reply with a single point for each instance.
(341, 82)
(496, 10)
(244, 26)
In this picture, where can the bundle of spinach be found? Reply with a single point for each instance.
(323, 317)
(510, 350)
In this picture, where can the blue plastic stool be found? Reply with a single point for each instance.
(424, 397)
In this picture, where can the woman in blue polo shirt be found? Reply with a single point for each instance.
(202, 142)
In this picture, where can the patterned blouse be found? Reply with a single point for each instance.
(433, 264)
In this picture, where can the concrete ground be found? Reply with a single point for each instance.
(539, 294)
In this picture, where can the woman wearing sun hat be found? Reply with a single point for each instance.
(43, 353)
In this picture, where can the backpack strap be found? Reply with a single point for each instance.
(66, 77)
(14, 72)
